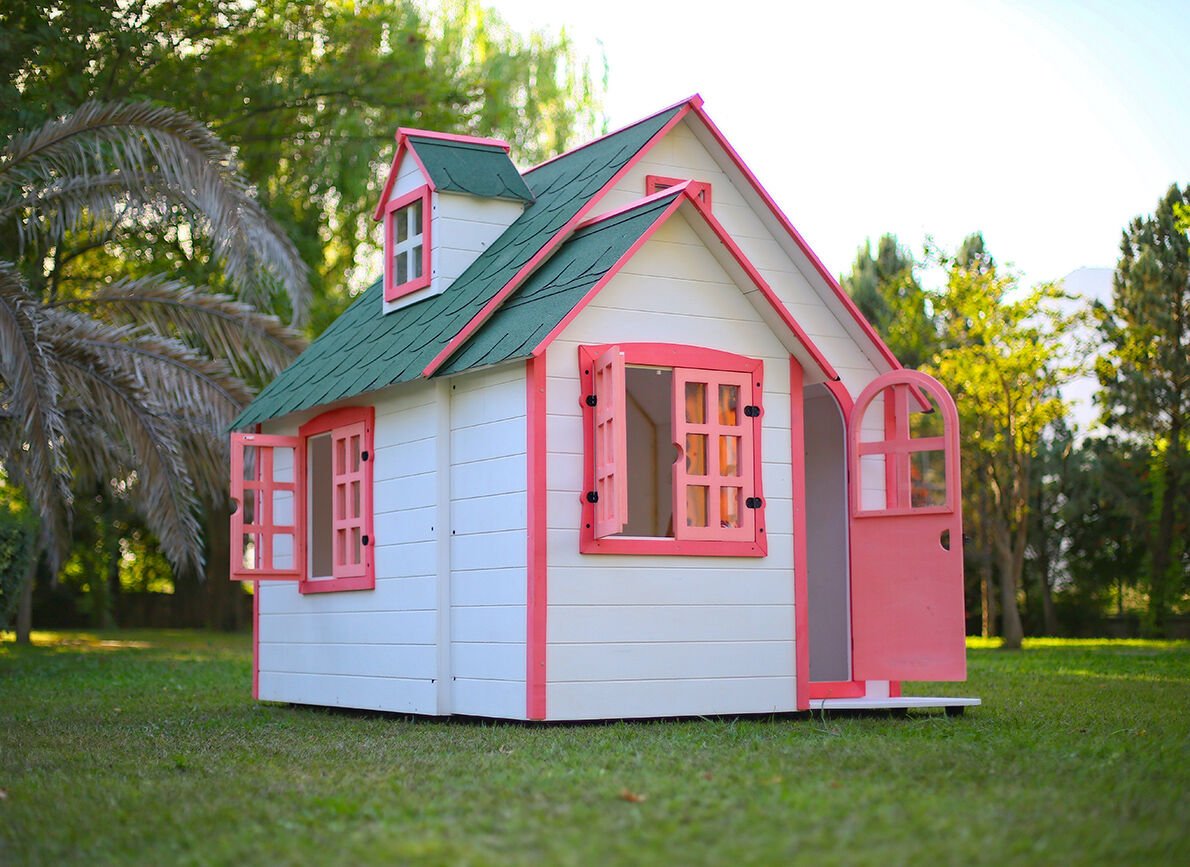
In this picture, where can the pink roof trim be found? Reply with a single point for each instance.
(405, 131)
(402, 137)
(687, 196)
(826, 275)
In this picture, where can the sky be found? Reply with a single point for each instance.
(1045, 125)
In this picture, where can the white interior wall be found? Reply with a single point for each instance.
(663, 635)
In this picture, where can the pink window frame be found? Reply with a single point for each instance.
(392, 289)
(701, 190)
(671, 355)
(340, 423)
(263, 527)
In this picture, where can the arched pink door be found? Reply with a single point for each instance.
(906, 532)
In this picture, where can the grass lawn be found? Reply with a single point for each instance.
(145, 747)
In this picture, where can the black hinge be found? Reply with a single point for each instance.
(592, 497)
(592, 400)
(365, 540)
(753, 502)
(363, 456)
(752, 411)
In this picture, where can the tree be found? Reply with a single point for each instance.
(1145, 377)
(1002, 357)
(130, 382)
(885, 289)
(308, 94)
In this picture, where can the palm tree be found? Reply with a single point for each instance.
(131, 380)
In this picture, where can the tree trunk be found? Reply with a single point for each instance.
(25, 606)
(1163, 535)
(1014, 633)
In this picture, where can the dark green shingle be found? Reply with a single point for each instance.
(466, 167)
(364, 350)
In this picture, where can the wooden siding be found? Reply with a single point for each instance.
(681, 155)
(662, 635)
(488, 542)
(372, 649)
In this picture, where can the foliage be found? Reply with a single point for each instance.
(1145, 378)
(134, 394)
(18, 548)
(1076, 757)
(885, 289)
(1004, 355)
(308, 94)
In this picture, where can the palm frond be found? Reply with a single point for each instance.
(255, 345)
(29, 392)
(66, 166)
(111, 400)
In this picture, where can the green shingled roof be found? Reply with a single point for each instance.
(364, 350)
(467, 167)
(555, 288)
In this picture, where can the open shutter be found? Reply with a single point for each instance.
(714, 474)
(352, 491)
(908, 618)
(611, 444)
(266, 526)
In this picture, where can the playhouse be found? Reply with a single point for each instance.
(606, 440)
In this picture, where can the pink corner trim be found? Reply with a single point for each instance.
(552, 244)
(633, 205)
(777, 213)
(694, 101)
(537, 611)
(256, 640)
(700, 189)
(801, 578)
(392, 290)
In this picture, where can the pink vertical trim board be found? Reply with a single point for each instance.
(801, 580)
(536, 609)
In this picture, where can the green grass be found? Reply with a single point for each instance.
(145, 747)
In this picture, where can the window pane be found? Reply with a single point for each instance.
(415, 218)
(251, 456)
(356, 547)
(729, 404)
(399, 275)
(696, 402)
(340, 457)
(340, 547)
(283, 464)
(927, 478)
(355, 452)
(416, 262)
(696, 506)
(283, 514)
(283, 551)
(729, 456)
(355, 500)
(729, 507)
(251, 551)
(696, 454)
(340, 502)
(249, 506)
(401, 218)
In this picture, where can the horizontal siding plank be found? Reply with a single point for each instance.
(665, 698)
(390, 594)
(495, 550)
(494, 698)
(409, 560)
(485, 514)
(496, 439)
(642, 583)
(361, 660)
(656, 661)
(492, 623)
(584, 624)
(488, 661)
(366, 693)
(487, 587)
(485, 478)
(368, 627)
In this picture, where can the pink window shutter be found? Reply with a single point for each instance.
(714, 476)
(611, 444)
(267, 526)
(351, 501)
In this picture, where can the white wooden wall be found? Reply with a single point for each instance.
(656, 636)
(461, 228)
(374, 649)
(489, 544)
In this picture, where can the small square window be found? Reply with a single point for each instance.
(407, 244)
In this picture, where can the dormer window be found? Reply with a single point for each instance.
(407, 229)
(699, 189)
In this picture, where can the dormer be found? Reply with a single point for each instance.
(447, 198)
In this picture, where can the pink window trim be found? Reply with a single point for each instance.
(263, 527)
(898, 445)
(699, 190)
(676, 356)
(392, 289)
(340, 424)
